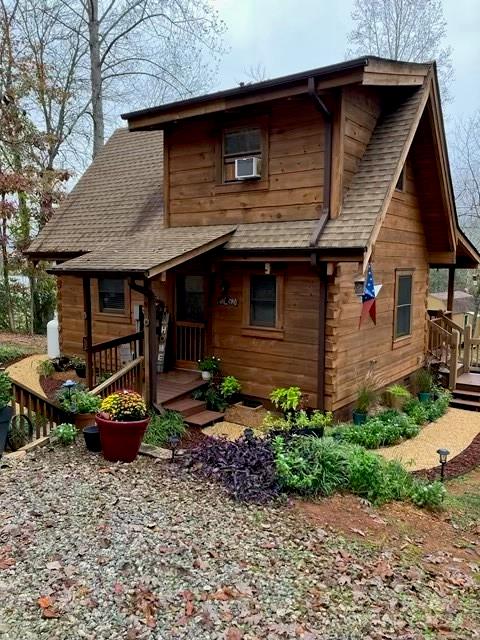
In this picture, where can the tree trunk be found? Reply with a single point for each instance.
(6, 276)
(95, 77)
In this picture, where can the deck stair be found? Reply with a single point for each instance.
(466, 394)
(174, 392)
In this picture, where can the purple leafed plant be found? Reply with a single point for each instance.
(245, 467)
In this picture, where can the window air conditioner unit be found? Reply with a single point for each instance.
(247, 168)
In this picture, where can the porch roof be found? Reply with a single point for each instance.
(147, 254)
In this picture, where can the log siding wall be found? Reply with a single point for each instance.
(291, 187)
(263, 363)
(350, 351)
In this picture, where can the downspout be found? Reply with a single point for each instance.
(325, 215)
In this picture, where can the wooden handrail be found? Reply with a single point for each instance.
(449, 322)
(42, 412)
(129, 377)
(116, 342)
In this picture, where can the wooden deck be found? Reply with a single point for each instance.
(177, 383)
(469, 379)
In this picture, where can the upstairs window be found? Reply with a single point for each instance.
(403, 304)
(111, 295)
(239, 143)
(263, 301)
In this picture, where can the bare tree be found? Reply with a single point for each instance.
(466, 170)
(256, 72)
(133, 50)
(409, 30)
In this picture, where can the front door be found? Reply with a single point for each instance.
(190, 320)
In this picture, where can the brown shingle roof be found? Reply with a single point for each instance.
(118, 204)
(145, 252)
(120, 194)
(368, 194)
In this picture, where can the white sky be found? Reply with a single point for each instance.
(286, 36)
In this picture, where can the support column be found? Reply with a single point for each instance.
(150, 342)
(87, 340)
(451, 288)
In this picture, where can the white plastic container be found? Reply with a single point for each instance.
(53, 342)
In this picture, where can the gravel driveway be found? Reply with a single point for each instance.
(145, 550)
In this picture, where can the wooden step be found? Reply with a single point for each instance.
(467, 393)
(185, 406)
(204, 418)
(461, 403)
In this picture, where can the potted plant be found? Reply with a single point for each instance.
(209, 367)
(366, 397)
(79, 365)
(423, 380)
(230, 387)
(6, 410)
(80, 403)
(123, 420)
(91, 436)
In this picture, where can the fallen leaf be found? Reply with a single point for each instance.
(6, 563)
(118, 588)
(44, 602)
(189, 608)
(54, 566)
(50, 613)
(358, 531)
(233, 633)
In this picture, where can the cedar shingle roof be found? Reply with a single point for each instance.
(115, 212)
(368, 193)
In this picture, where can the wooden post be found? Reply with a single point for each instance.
(87, 341)
(452, 382)
(322, 318)
(451, 288)
(467, 340)
(151, 348)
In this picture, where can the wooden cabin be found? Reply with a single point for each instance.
(249, 217)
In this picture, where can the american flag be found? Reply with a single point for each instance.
(369, 299)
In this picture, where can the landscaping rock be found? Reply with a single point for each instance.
(146, 551)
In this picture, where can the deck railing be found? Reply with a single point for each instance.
(190, 341)
(131, 376)
(43, 414)
(104, 359)
(444, 346)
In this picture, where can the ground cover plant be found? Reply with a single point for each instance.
(65, 434)
(164, 427)
(10, 353)
(245, 467)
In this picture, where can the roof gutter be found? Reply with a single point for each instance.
(327, 182)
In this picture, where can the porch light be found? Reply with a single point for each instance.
(268, 268)
(443, 455)
(359, 286)
(173, 441)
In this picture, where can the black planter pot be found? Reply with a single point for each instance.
(92, 438)
(5, 415)
(81, 370)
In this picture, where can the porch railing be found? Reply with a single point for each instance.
(444, 346)
(449, 325)
(190, 341)
(43, 414)
(104, 359)
(131, 376)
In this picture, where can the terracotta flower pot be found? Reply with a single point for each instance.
(121, 440)
(83, 420)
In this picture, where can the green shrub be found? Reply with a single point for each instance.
(5, 389)
(316, 420)
(45, 368)
(78, 400)
(11, 352)
(229, 386)
(428, 495)
(309, 466)
(65, 433)
(287, 399)
(423, 412)
(163, 427)
(416, 410)
(384, 429)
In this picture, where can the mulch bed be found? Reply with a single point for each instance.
(52, 384)
(192, 438)
(462, 463)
